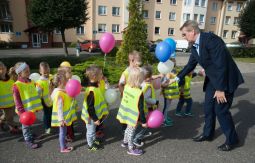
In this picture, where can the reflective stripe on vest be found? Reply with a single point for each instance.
(186, 92)
(172, 91)
(44, 86)
(129, 112)
(29, 96)
(99, 104)
(6, 95)
(69, 109)
(153, 96)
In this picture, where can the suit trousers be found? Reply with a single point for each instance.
(212, 110)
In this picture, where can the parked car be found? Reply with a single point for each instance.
(182, 45)
(90, 46)
(234, 45)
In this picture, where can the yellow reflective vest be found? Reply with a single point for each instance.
(186, 91)
(6, 97)
(102, 86)
(172, 90)
(99, 104)
(129, 112)
(69, 109)
(29, 96)
(43, 91)
(153, 96)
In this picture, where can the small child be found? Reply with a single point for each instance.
(131, 111)
(151, 104)
(94, 106)
(26, 98)
(64, 111)
(44, 90)
(170, 92)
(6, 101)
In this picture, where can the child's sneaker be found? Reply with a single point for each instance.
(66, 150)
(32, 145)
(48, 131)
(179, 114)
(168, 123)
(124, 145)
(94, 147)
(135, 152)
(138, 143)
(189, 114)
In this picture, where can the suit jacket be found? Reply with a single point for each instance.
(220, 69)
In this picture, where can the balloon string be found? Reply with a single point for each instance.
(104, 60)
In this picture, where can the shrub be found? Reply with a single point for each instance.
(242, 52)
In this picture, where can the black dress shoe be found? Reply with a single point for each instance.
(225, 147)
(201, 138)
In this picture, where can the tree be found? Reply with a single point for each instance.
(58, 14)
(135, 35)
(247, 19)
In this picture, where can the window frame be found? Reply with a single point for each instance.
(101, 24)
(105, 9)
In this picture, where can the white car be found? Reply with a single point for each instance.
(233, 45)
(182, 45)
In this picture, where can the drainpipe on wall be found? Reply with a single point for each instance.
(222, 15)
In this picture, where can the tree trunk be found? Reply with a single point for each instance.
(64, 41)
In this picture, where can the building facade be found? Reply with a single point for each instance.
(163, 19)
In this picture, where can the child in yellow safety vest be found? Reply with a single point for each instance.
(44, 89)
(131, 111)
(26, 98)
(170, 92)
(6, 101)
(185, 96)
(64, 109)
(150, 104)
(94, 106)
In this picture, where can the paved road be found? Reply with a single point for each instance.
(169, 144)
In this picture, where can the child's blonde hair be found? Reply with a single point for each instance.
(135, 77)
(44, 65)
(58, 78)
(94, 72)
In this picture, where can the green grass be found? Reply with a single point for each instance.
(247, 60)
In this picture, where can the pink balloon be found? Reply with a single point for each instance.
(157, 83)
(155, 119)
(107, 42)
(73, 87)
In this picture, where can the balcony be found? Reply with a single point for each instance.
(7, 18)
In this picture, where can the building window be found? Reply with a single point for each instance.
(4, 11)
(227, 20)
(146, 0)
(80, 30)
(173, 2)
(187, 2)
(233, 34)
(145, 14)
(101, 10)
(238, 7)
(213, 20)
(6, 28)
(201, 19)
(225, 33)
(101, 28)
(57, 31)
(215, 6)
(236, 19)
(172, 16)
(44, 38)
(158, 15)
(195, 17)
(115, 11)
(157, 31)
(159, 1)
(186, 17)
(229, 6)
(170, 31)
(203, 3)
(196, 2)
(115, 28)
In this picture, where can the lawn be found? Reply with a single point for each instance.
(247, 60)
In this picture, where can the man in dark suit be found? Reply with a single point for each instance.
(221, 81)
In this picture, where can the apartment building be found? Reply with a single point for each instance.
(163, 19)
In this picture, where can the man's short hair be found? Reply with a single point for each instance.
(190, 25)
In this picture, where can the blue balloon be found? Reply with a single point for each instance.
(163, 51)
(171, 42)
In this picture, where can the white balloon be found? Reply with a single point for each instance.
(75, 77)
(34, 76)
(165, 67)
(110, 96)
